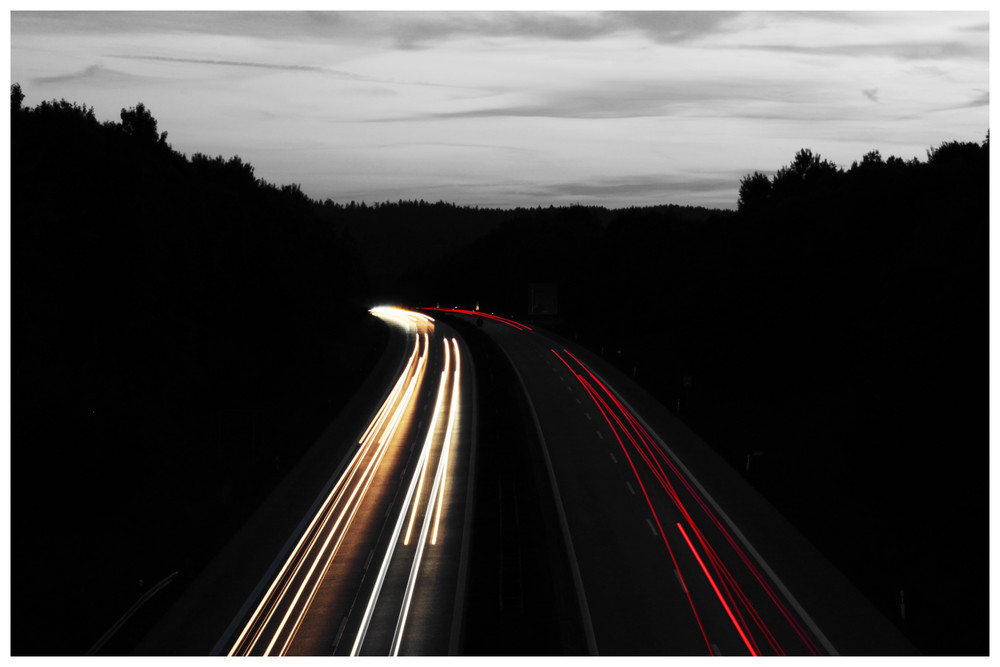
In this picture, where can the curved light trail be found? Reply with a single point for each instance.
(381, 452)
(396, 554)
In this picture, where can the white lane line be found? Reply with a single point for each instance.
(587, 415)
(649, 522)
(612, 455)
(599, 435)
(630, 489)
(680, 581)
(579, 401)
(581, 595)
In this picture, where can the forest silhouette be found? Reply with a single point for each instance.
(181, 331)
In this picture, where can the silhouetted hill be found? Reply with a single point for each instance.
(181, 331)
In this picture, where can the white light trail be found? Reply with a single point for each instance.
(442, 385)
(435, 498)
(328, 528)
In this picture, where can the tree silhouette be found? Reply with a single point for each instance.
(755, 190)
(16, 98)
(139, 124)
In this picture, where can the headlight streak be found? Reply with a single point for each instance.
(435, 499)
(650, 452)
(438, 484)
(366, 480)
(400, 316)
(442, 385)
(446, 448)
(353, 485)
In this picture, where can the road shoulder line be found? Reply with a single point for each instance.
(588, 627)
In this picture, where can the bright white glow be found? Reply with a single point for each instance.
(310, 584)
(436, 498)
(446, 447)
(394, 540)
(428, 440)
(409, 506)
(315, 549)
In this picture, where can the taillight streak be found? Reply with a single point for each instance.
(651, 454)
(751, 567)
(491, 316)
(604, 413)
(716, 589)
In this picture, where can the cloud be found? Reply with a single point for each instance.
(86, 73)
(241, 63)
(406, 29)
(646, 98)
(925, 50)
(980, 100)
(871, 93)
(641, 186)
(91, 74)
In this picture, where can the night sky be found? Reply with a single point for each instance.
(522, 108)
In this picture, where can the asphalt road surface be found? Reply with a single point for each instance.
(661, 565)
(375, 570)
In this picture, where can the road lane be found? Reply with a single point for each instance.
(663, 571)
(356, 578)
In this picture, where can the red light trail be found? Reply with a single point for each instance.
(734, 601)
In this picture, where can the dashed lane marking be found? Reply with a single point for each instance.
(680, 581)
(649, 522)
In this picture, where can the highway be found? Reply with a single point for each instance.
(373, 568)
(660, 567)
(640, 541)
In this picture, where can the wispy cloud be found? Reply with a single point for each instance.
(409, 29)
(980, 100)
(925, 50)
(92, 73)
(85, 73)
(241, 63)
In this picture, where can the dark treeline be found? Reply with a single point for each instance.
(829, 339)
(181, 332)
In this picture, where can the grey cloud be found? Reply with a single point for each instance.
(419, 29)
(900, 50)
(619, 99)
(235, 63)
(407, 29)
(86, 73)
(643, 185)
(96, 74)
(981, 100)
